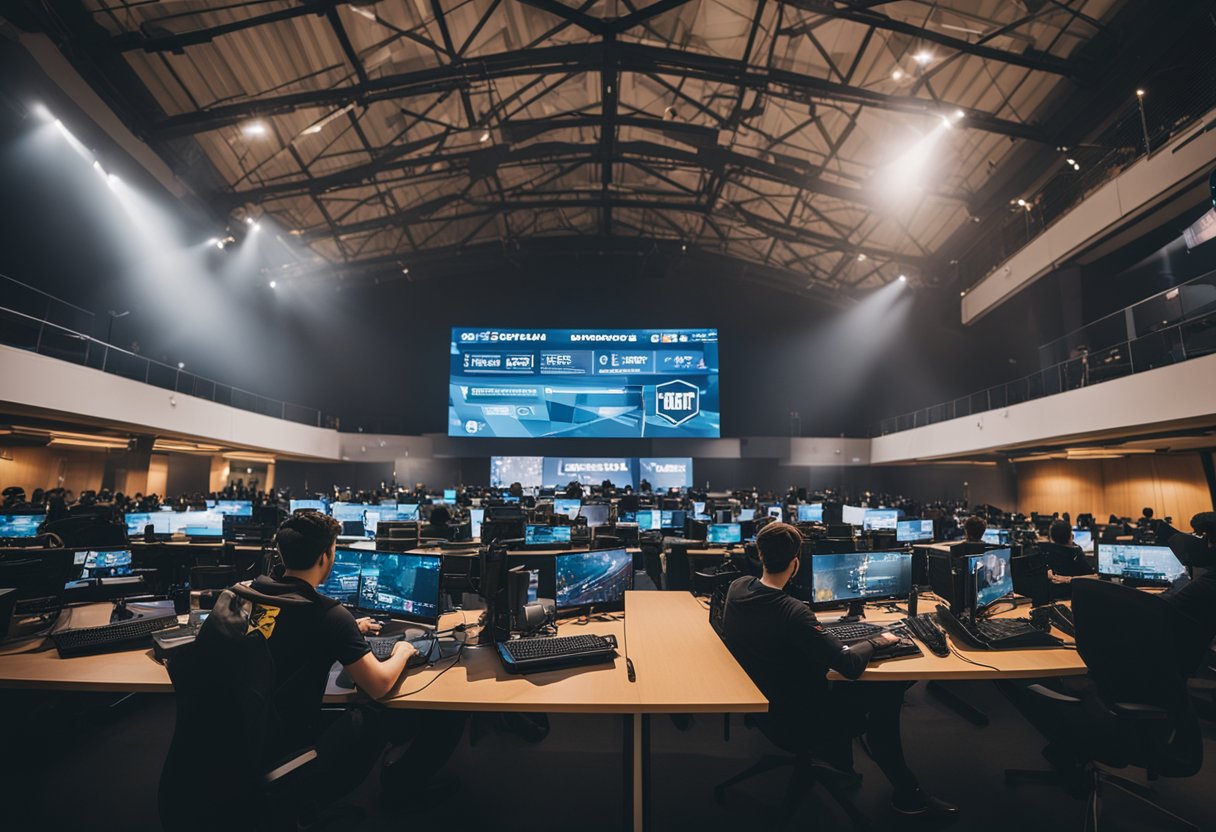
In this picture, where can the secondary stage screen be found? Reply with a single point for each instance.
(618, 383)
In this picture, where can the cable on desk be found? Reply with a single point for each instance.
(972, 661)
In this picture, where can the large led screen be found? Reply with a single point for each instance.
(634, 383)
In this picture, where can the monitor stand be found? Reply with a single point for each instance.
(856, 612)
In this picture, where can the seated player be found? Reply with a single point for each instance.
(779, 642)
(1195, 602)
(1065, 560)
(973, 542)
(439, 524)
(306, 633)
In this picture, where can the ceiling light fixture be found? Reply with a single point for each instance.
(922, 57)
(254, 129)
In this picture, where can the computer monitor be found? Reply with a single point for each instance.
(1147, 565)
(857, 577)
(197, 523)
(343, 581)
(909, 531)
(990, 578)
(567, 507)
(406, 512)
(775, 512)
(698, 507)
(20, 525)
(137, 521)
(880, 519)
(1085, 539)
(476, 517)
(853, 515)
(314, 505)
(996, 537)
(373, 516)
(546, 535)
(510, 499)
(810, 513)
(596, 514)
(747, 514)
(449, 495)
(351, 516)
(597, 578)
(402, 584)
(232, 508)
(673, 519)
(103, 563)
(724, 533)
(647, 520)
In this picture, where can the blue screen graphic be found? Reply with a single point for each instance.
(880, 518)
(598, 577)
(20, 525)
(996, 537)
(107, 564)
(907, 531)
(639, 383)
(546, 535)
(567, 507)
(343, 581)
(810, 513)
(991, 577)
(235, 508)
(724, 533)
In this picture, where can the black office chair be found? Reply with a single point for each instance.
(224, 713)
(606, 541)
(806, 772)
(652, 558)
(1136, 712)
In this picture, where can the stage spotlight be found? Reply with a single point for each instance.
(922, 57)
(897, 75)
(273, 284)
(405, 271)
(254, 129)
(903, 278)
(181, 365)
(1140, 93)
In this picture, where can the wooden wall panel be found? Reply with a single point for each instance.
(1172, 485)
(43, 468)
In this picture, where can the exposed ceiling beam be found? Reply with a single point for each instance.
(627, 57)
(1030, 59)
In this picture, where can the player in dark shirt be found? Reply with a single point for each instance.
(1064, 558)
(779, 642)
(1195, 603)
(306, 633)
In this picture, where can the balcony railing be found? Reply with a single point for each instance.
(40, 334)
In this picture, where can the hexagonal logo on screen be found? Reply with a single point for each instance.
(677, 401)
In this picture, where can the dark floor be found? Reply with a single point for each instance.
(95, 765)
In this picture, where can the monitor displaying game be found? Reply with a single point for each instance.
(404, 585)
(880, 519)
(600, 578)
(546, 535)
(105, 563)
(996, 537)
(20, 525)
(723, 533)
(991, 577)
(234, 508)
(810, 513)
(343, 582)
(477, 516)
(1139, 564)
(643, 383)
(910, 531)
(1085, 539)
(860, 576)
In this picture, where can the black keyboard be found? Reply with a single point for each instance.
(853, 631)
(531, 655)
(925, 629)
(108, 638)
(997, 633)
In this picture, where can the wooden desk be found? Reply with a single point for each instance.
(681, 666)
(1008, 664)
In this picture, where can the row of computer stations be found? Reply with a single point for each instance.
(20, 525)
(1155, 565)
(910, 531)
(402, 585)
(860, 576)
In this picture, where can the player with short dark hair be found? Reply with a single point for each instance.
(779, 642)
